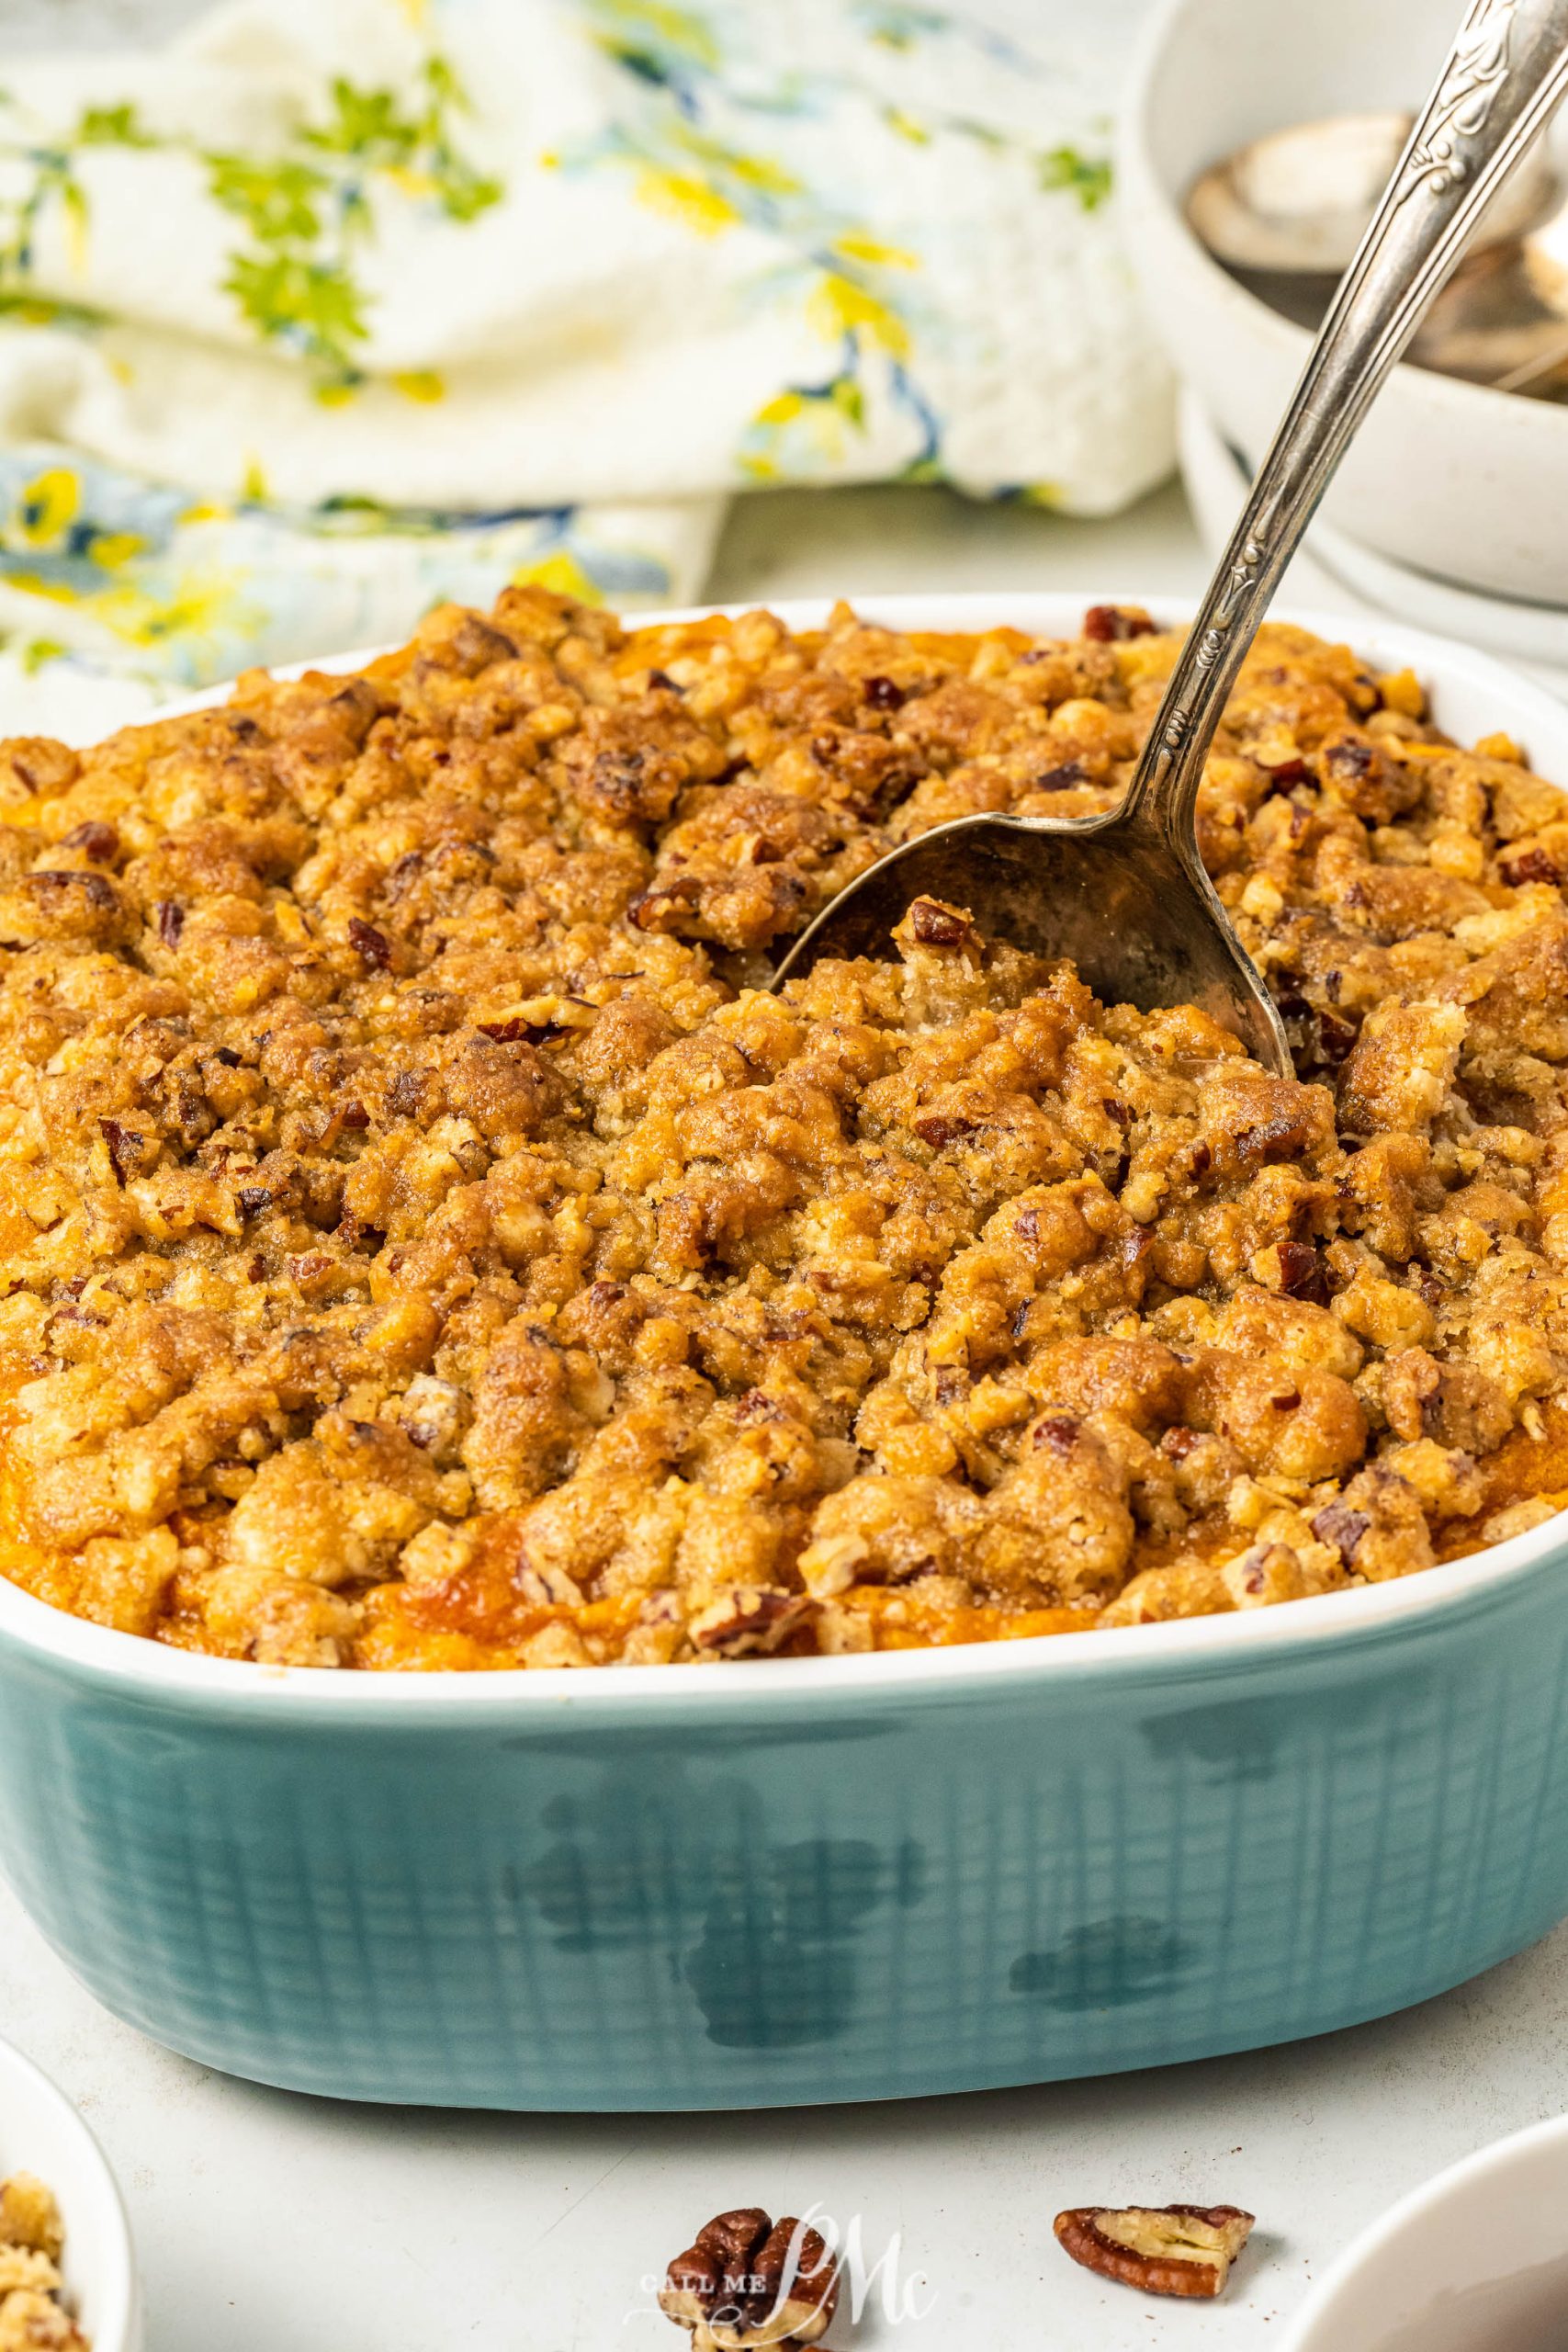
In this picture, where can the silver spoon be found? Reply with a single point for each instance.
(1124, 894)
(1285, 213)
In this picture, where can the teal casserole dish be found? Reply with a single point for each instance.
(809, 1880)
(813, 1879)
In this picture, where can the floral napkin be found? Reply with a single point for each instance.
(338, 307)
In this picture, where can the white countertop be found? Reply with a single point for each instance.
(273, 2223)
(859, 542)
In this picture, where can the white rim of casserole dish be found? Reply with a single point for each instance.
(1214, 1643)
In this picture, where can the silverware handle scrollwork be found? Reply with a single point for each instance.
(1505, 73)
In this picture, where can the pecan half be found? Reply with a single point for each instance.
(750, 2280)
(1162, 2249)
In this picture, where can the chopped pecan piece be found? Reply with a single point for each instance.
(1338, 1524)
(1353, 757)
(1300, 1272)
(939, 1128)
(372, 946)
(130, 1151)
(1335, 1036)
(1058, 1433)
(1162, 2249)
(1273, 1140)
(52, 882)
(750, 2280)
(935, 926)
(95, 840)
(660, 908)
(747, 1620)
(1113, 624)
(1520, 866)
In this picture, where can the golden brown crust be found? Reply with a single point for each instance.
(422, 1250)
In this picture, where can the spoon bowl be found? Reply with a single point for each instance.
(1143, 928)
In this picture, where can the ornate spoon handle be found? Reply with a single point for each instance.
(1504, 74)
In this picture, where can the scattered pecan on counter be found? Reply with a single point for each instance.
(1164, 2249)
(751, 2281)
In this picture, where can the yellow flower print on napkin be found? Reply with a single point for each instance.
(47, 506)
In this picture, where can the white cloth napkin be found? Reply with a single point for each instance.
(336, 307)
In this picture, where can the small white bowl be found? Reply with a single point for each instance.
(1476, 2261)
(1343, 574)
(41, 2132)
(1452, 478)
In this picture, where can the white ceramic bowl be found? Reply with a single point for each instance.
(41, 2132)
(1456, 480)
(1336, 571)
(1476, 2261)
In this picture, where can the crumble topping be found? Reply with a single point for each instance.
(421, 1245)
(34, 2315)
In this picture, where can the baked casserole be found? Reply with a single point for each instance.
(425, 1244)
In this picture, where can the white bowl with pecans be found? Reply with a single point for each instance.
(1454, 481)
(43, 2140)
(1475, 2261)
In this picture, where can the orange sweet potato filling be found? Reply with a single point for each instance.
(425, 1247)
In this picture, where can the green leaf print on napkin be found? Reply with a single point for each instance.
(304, 211)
